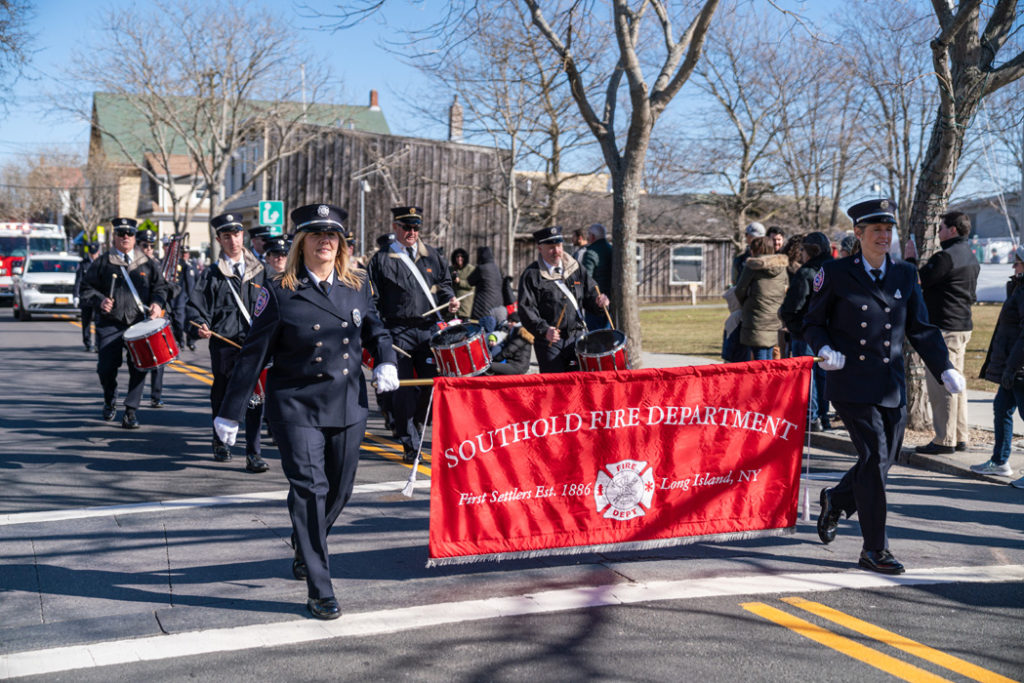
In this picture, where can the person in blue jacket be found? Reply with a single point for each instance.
(862, 309)
(312, 322)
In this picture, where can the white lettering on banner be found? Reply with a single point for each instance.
(619, 418)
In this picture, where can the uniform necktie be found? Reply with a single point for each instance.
(127, 259)
(238, 270)
(877, 274)
(412, 252)
(558, 271)
(325, 287)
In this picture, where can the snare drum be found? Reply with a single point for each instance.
(259, 394)
(602, 350)
(151, 343)
(461, 350)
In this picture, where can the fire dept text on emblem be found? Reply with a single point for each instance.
(625, 491)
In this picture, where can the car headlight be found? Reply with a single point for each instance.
(30, 286)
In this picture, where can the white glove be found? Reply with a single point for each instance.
(831, 360)
(226, 430)
(954, 381)
(385, 377)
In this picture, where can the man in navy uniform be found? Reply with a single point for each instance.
(223, 301)
(554, 292)
(862, 308)
(258, 236)
(146, 239)
(125, 287)
(410, 278)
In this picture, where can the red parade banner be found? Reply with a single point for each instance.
(530, 465)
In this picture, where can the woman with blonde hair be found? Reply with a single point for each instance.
(312, 323)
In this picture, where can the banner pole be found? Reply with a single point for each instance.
(410, 485)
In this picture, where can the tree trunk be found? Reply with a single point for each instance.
(625, 215)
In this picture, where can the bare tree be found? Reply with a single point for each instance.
(207, 81)
(14, 41)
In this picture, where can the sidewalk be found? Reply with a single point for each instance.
(979, 413)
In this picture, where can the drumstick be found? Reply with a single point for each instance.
(607, 314)
(404, 353)
(560, 316)
(113, 284)
(435, 309)
(223, 339)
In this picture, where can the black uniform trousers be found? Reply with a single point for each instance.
(877, 434)
(320, 464)
(156, 383)
(110, 339)
(88, 314)
(222, 362)
(557, 357)
(409, 404)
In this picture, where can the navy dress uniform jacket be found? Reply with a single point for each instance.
(145, 275)
(315, 342)
(868, 323)
(400, 299)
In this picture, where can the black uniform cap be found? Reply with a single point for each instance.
(319, 218)
(873, 211)
(552, 235)
(276, 245)
(410, 215)
(227, 222)
(259, 231)
(128, 225)
(146, 237)
(385, 240)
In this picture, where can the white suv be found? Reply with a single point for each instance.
(45, 284)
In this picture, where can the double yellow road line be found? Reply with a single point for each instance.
(872, 657)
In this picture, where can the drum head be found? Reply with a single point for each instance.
(455, 334)
(145, 328)
(600, 342)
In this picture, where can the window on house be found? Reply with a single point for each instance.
(687, 264)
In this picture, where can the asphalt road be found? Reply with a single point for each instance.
(188, 576)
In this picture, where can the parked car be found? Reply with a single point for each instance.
(44, 285)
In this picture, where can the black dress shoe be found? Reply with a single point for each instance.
(109, 412)
(156, 403)
(814, 426)
(409, 456)
(826, 426)
(934, 449)
(323, 608)
(299, 569)
(880, 561)
(221, 453)
(961, 446)
(191, 346)
(828, 518)
(129, 421)
(254, 463)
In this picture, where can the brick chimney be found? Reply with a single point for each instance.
(455, 121)
(374, 106)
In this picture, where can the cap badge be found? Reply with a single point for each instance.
(230, 217)
(323, 211)
(412, 210)
(884, 204)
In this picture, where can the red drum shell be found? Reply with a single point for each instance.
(602, 350)
(259, 393)
(151, 343)
(461, 350)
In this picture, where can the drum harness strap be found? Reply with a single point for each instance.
(135, 293)
(397, 248)
(560, 283)
(238, 300)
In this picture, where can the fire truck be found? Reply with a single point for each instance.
(17, 240)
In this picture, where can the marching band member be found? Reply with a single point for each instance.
(223, 302)
(258, 236)
(313, 323)
(553, 291)
(125, 287)
(862, 308)
(146, 239)
(410, 278)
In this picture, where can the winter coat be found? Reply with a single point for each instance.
(1005, 357)
(761, 289)
(487, 281)
(461, 284)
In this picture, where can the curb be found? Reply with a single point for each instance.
(838, 441)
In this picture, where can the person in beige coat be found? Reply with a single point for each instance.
(761, 289)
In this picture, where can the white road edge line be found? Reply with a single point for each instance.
(36, 662)
(183, 503)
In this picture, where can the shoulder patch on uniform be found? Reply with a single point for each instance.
(819, 279)
(261, 302)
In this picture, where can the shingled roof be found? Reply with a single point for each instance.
(116, 114)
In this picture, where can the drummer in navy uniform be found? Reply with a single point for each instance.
(146, 239)
(125, 287)
(862, 308)
(223, 302)
(313, 322)
(258, 236)
(554, 291)
(275, 255)
(409, 278)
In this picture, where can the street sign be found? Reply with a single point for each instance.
(272, 215)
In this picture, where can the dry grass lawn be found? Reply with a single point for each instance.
(697, 331)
